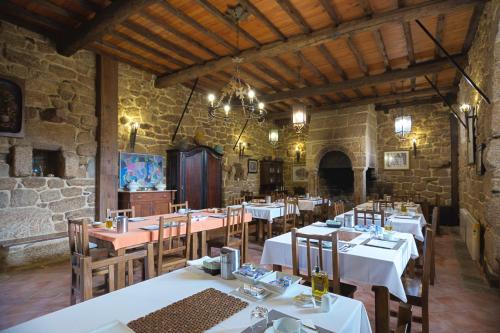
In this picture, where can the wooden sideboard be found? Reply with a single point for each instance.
(146, 203)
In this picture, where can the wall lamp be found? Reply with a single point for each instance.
(299, 148)
(414, 144)
(241, 148)
(133, 134)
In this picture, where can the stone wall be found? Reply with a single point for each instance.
(480, 194)
(60, 116)
(430, 171)
(158, 111)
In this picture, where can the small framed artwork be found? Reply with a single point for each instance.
(11, 107)
(299, 173)
(480, 169)
(471, 137)
(397, 160)
(253, 166)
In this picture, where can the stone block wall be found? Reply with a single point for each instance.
(158, 111)
(480, 194)
(430, 171)
(60, 115)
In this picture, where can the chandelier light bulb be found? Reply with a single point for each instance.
(465, 108)
(211, 99)
(226, 109)
(251, 94)
(261, 106)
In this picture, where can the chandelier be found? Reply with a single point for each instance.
(299, 117)
(236, 94)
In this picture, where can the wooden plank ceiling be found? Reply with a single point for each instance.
(348, 52)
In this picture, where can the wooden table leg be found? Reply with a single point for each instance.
(194, 245)
(382, 314)
(246, 231)
(120, 270)
(277, 268)
(269, 230)
(260, 227)
(202, 247)
(150, 261)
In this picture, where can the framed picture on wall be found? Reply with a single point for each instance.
(397, 160)
(11, 107)
(253, 166)
(299, 173)
(471, 137)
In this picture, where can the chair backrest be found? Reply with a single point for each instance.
(339, 207)
(426, 275)
(78, 237)
(173, 208)
(290, 213)
(368, 216)
(234, 223)
(238, 200)
(311, 262)
(170, 237)
(129, 212)
(435, 219)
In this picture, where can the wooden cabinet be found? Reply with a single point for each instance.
(196, 174)
(146, 203)
(271, 176)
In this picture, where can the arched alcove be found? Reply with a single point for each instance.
(335, 175)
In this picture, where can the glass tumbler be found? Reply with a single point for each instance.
(259, 319)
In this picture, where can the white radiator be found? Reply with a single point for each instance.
(469, 231)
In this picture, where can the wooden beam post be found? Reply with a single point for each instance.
(107, 135)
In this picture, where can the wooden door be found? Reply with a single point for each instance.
(213, 181)
(193, 179)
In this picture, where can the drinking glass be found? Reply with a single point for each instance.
(259, 319)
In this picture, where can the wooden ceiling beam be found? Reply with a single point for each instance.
(162, 42)
(314, 38)
(294, 14)
(10, 12)
(179, 34)
(104, 22)
(61, 11)
(303, 60)
(134, 55)
(391, 98)
(389, 76)
(381, 48)
(227, 21)
(331, 11)
(263, 18)
(367, 8)
(192, 22)
(404, 104)
(17, 18)
(357, 55)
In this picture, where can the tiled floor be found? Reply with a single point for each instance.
(461, 301)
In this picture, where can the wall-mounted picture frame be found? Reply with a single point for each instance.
(12, 114)
(299, 173)
(480, 169)
(471, 136)
(253, 166)
(397, 160)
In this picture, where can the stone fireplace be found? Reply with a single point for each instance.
(335, 176)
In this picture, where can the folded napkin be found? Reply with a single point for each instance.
(319, 224)
(197, 262)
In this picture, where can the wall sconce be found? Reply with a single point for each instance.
(273, 137)
(414, 143)
(133, 134)
(241, 149)
(402, 126)
(298, 151)
(299, 117)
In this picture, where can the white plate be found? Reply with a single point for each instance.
(136, 219)
(113, 327)
(271, 330)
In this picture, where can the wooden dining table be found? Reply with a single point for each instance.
(136, 237)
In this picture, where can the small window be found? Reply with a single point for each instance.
(46, 162)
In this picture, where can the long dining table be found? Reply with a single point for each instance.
(360, 264)
(136, 236)
(124, 305)
(268, 212)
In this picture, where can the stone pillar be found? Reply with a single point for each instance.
(359, 184)
(313, 182)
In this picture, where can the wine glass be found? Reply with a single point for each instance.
(259, 319)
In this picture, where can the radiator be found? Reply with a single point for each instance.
(469, 231)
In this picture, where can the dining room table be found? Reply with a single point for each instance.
(362, 261)
(268, 212)
(142, 233)
(123, 306)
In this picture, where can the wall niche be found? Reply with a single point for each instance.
(46, 163)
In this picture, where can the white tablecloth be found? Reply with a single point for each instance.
(347, 315)
(309, 204)
(360, 265)
(268, 212)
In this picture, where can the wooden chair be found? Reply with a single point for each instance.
(384, 204)
(339, 208)
(173, 208)
(368, 216)
(288, 220)
(434, 224)
(404, 318)
(235, 235)
(417, 289)
(129, 212)
(321, 211)
(173, 245)
(85, 265)
(238, 200)
(335, 285)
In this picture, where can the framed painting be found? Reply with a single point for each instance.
(397, 160)
(299, 173)
(253, 166)
(11, 107)
(145, 169)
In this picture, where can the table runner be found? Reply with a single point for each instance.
(360, 264)
(193, 314)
